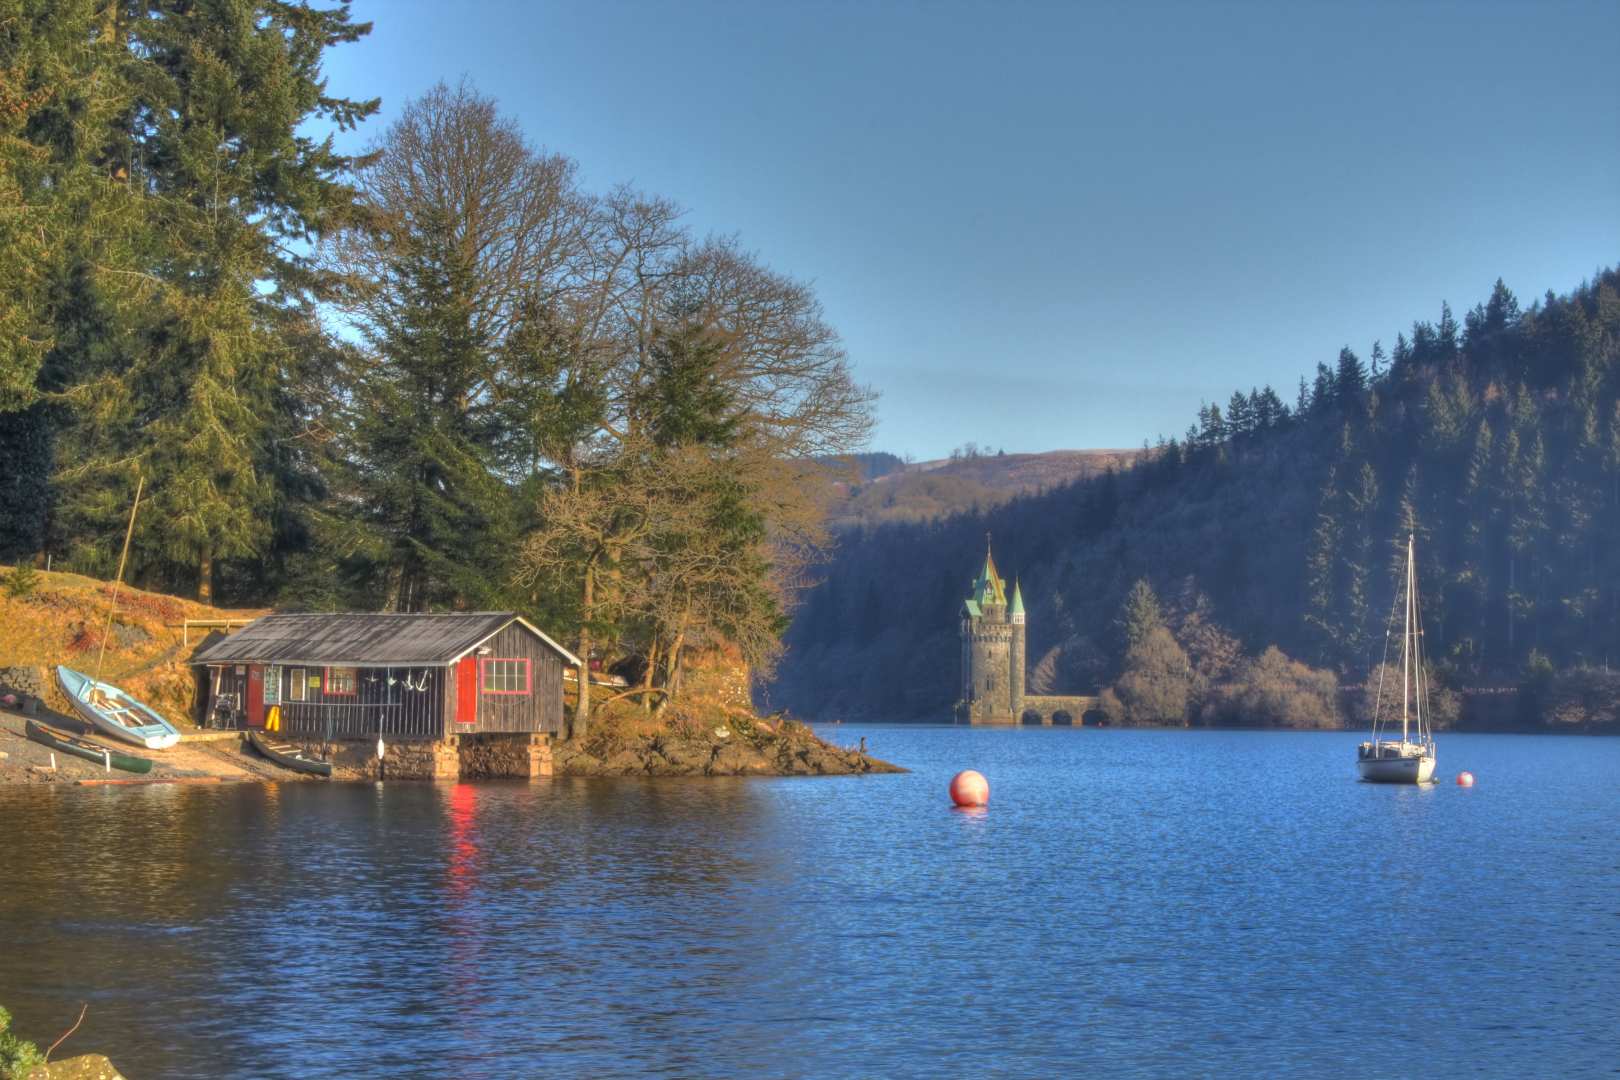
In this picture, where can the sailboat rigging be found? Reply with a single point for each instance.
(1410, 760)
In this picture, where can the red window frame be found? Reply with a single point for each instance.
(326, 683)
(528, 676)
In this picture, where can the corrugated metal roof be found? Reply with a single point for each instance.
(363, 640)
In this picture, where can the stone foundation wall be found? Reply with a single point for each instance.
(460, 757)
(22, 681)
(402, 760)
(504, 756)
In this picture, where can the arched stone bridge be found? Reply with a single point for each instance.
(1058, 711)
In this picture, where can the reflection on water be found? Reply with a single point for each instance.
(1132, 903)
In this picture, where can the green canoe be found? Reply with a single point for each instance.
(84, 748)
(289, 756)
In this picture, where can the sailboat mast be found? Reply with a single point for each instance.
(1419, 676)
(1406, 640)
(140, 486)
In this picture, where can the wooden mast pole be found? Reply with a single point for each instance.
(140, 485)
(1406, 643)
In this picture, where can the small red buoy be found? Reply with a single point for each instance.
(969, 788)
(1465, 779)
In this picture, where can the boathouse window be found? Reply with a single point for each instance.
(504, 676)
(272, 684)
(296, 689)
(340, 682)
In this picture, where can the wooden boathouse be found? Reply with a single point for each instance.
(448, 695)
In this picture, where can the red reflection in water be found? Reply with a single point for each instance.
(463, 846)
(462, 918)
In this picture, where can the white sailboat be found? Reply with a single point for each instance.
(1411, 759)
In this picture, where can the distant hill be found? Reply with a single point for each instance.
(888, 489)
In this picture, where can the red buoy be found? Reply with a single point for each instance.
(1465, 779)
(969, 788)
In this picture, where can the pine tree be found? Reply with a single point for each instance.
(1361, 505)
(1502, 310)
(1322, 570)
(1239, 416)
(471, 380)
(66, 214)
(1445, 334)
(232, 194)
(685, 402)
(1325, 391)
(1140, 615)
(1269, 410)
(1350, 378)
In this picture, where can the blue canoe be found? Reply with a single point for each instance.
(115, 713)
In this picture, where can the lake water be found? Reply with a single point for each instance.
(1132, 903)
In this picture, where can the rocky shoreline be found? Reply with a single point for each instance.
(736, 746)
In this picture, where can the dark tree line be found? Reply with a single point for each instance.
(1496, 443)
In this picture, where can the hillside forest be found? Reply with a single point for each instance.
(1244, 572)
(435, 375)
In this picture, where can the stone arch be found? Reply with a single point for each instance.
(1063, 718)
(1095, 717)
(1032, 718)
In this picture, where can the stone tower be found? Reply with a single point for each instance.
(992, 651)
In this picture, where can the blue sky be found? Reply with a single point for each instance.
(1043, 226)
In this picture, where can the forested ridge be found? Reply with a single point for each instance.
(880, 488)
(436, 375)
(1278, 525)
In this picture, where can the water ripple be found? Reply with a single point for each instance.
(1131, 904)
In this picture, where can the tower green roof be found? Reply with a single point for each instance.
(1017, 600)
(989, 588)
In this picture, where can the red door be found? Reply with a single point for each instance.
(255, 696)
(467, 690)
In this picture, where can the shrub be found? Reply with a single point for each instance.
(21, 582)
(1443, 703)
(1584, 698)
(1275, 691)
(18, 1057)
(1157, 681)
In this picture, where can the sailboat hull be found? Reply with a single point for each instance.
(1403, 769)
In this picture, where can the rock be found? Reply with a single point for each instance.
(22, 682)
(734, 759)
(83, 1067)
(624, 763)
(688, 758)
